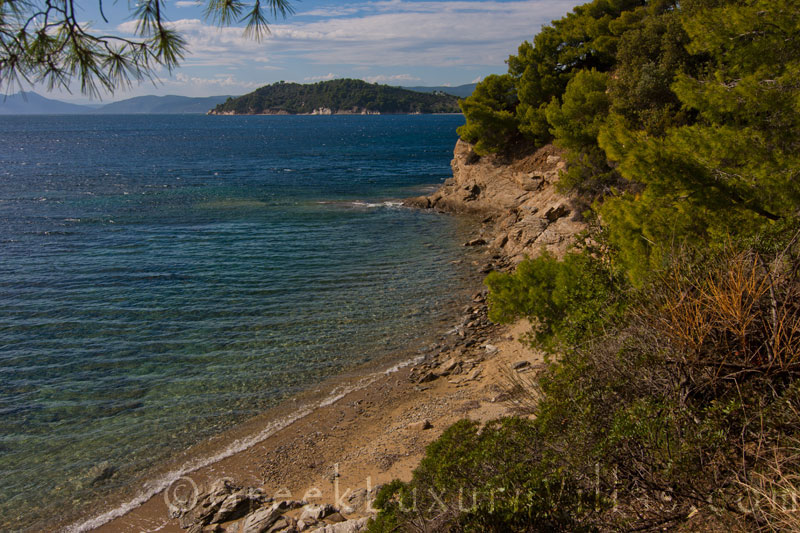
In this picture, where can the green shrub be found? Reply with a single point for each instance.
(566, 300)
(687, 405)
(489, 478)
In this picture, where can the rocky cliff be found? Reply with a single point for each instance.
(516, 198)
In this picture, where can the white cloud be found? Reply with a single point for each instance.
(361, 39)
(188, 3)
(326, 77)
(337, 11)
(218, 82)
(477, 80)
(383, 34)
(386, 79)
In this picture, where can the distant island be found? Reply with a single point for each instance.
(336, 97)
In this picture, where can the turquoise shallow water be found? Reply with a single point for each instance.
(162, 278)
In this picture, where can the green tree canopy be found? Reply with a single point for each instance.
(681, 120)
(491, 120)
(735, 168)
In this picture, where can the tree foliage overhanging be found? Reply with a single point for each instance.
(672, 400)
(343, 95)
(47, 41)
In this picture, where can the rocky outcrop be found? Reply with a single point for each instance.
(226, 507)
(517, 199)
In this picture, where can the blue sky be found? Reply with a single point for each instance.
(397, 42)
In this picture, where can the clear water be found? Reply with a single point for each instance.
(163, 277)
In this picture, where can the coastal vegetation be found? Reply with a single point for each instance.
(343, 96)
(671, 398)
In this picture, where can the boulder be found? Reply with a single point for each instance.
(554, 213)
(475, 374)
(316, 512)
(427, 376)
(531, 182)
(475, 242)
(283, 524)
(421, 202)
(262, 519)
(209, 503)
(420, 425)
(335, 518)
(499, 241)
(448, 366)
(234, 506)
(305, 523)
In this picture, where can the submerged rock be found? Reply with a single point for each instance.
(101, 472)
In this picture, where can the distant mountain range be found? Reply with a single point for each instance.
(31, 103)
(462, 91)
(161, 105)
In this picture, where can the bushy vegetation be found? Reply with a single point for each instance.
(671, 399)
(687, 405)
(337, 95)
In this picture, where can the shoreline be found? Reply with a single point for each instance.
(331, 114)
(356, 439)
(252, 432)
(361, 438)
(272, 422)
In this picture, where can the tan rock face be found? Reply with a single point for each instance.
(525, 213)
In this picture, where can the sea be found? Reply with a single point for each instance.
(164, 279)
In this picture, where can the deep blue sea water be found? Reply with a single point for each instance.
(164, 277)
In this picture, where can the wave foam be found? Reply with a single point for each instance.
(388, 203)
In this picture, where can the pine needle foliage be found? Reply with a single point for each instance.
(46, 41)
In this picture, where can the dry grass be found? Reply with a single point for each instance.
(740, 317)
(772, 495)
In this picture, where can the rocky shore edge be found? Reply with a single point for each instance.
(520, 208)
(381, 431)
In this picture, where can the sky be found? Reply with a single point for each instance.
(396, 42)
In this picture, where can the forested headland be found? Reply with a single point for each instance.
(671, 397)
(344, 96)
